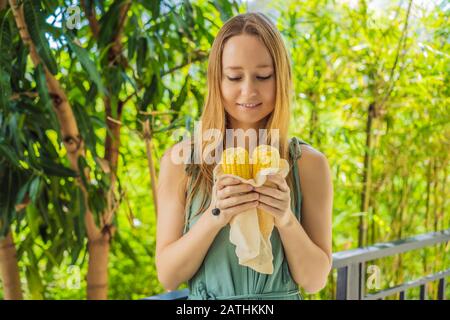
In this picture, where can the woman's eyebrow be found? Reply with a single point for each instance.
(258, 66)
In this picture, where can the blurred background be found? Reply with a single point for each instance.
(92, 93)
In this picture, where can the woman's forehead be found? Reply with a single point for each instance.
(245, 51)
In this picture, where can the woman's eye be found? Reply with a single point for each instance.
(239, 78)
(264, 78)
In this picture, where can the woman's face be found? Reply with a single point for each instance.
(248, 82)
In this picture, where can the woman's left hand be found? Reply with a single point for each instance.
(276, 199)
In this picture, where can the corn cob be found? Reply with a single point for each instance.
(265, 156)
(236, 161)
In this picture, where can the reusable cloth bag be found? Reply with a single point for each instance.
(252, 248)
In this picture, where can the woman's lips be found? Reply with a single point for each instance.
(249, 105)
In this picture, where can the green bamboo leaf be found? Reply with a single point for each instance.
(152, 6)
(5, 40)
(19, 66)
(5, 57)
(115, 80)
(108, 23)
(42, 204)
(82, 164)
(22, 191)
(87, 64)
(97, 203)
(198, 96)
(141, 56)
(132, 39)
(5, 87)
(85, 126)
(41, 83)
(224, 7)
(126, 248)
(54, 169)
(176, 105)
(34, 281)
(8, 191)
(35, 188)
(79, 216)
(36, 26)
(8, 153)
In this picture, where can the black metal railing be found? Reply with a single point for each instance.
(351, 271)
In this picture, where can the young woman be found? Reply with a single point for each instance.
(249, 87)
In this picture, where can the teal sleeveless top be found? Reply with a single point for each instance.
(221, 277)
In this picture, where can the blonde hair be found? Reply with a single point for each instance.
(213, 115)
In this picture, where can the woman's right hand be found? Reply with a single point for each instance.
(232, 197)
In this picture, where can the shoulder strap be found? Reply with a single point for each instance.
(295, 152)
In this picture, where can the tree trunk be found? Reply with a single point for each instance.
(429, 182)
(75, 147)
(99, 243)
(444, 199)
(313, 124)
(151, 165)
(436, 196)
(367, 170)
(9, 269)
(97, 276)
(112, 143)
(3, 4)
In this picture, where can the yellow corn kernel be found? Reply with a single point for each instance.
(236, 161)
(265, 156)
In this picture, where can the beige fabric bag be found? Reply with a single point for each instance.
(253, 249)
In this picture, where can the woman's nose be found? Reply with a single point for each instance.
(248, 88)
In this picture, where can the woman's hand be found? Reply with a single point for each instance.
(232, 197)
(275, 199)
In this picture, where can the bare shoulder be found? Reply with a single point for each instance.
(178, 150)
(172, 167)
(314, 170)
(312, 159)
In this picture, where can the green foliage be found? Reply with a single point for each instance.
(344, 60)
(35, 21)
(87, 64)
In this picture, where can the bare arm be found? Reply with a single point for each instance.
(178, 257)
(308, 245)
